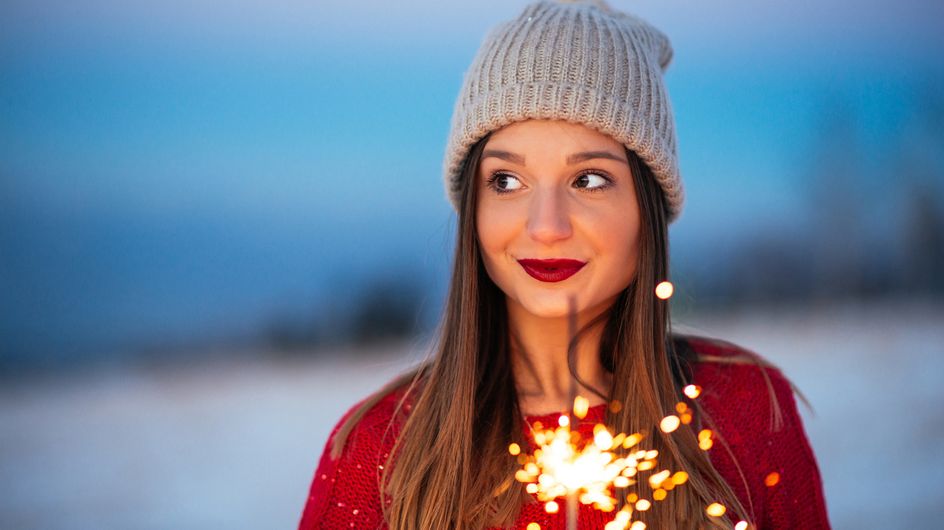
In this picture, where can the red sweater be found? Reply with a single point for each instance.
(344, 493)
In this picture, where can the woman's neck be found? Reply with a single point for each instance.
(539, 362)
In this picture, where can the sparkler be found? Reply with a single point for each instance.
(590, 471)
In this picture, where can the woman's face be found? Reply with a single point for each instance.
(550, 189)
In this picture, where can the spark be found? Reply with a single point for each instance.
(656, 480)
(704, 439)
(772, 479)
(669, 423)
(664, 290)
(581, 406)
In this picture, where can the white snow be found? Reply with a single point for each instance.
(209, 445)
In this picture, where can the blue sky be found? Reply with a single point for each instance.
(190, 168)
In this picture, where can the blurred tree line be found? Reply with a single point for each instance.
(874, 229)
(387, 307)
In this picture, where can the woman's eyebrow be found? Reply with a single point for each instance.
(590, 155)
(572, 159)
(504, 155)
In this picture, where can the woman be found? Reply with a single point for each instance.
(561, 164)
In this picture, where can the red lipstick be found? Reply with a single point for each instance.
(551, 270)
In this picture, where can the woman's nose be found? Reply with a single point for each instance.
(548, 218)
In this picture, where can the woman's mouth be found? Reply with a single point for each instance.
(551, 270)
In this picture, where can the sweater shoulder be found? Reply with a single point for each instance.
(740, 386)
(707, 347)
(725, 365)
(345, 490)
(764, 454)
(381, 422)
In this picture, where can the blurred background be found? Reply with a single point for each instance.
(221, 225)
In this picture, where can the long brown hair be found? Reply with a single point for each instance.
(450, 469)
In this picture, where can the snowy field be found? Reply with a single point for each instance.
(234, 445)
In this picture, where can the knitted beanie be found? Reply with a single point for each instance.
(579, 61)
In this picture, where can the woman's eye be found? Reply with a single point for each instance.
(503, 182)
(592, 181)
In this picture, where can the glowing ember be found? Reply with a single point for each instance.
(664, 290)
(656, 480)
(669, 423)
(581, 406)
(684, 412)
(772, 479)
(534, 526)
(715, 509)
(602, 437)
(704, 439)
(621, 520)
(632, 440)
(514, 449)
(692, 391)
(742, 525)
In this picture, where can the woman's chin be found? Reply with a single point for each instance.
(557, 306)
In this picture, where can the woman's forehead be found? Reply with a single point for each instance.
(537, 132)
(573, 142)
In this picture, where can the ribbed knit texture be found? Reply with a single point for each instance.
(582, 62)
(345, 493)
